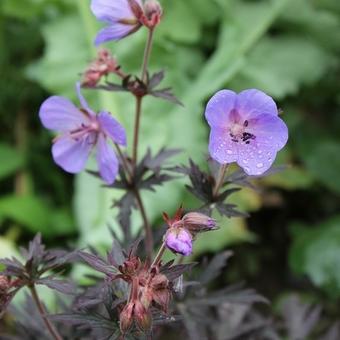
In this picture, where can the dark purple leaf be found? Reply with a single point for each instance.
(97, 263)
(62, 286)
(155, 79)
(167, 95)
(175, 271)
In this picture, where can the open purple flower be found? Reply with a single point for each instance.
(122, 17)
(80, 130)
(245, 128)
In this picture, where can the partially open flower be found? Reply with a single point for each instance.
(80, 130)
(179, 240)
(124, 17)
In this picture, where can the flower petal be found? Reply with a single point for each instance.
(257, 157)
(179, 241)
(112, 10)
(251, 103)
(271, 129)
(82, 100)
(71, 154)
(221, 147)
(114, 32)
(219, 107)
(112, 128)
(107, 160)
(58, 113)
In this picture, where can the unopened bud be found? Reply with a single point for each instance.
(126, 317)
(152, 13)
(4, 284)
(142, 317)
(197, 222)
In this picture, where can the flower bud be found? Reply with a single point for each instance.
(4, 284)
(142, 317)
(126, 317)
(196, 222)
(152, 13)
(179, 240)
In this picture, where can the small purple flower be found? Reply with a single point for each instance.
(80, 130)
(179, 240)
(122, 17)
(245, 128)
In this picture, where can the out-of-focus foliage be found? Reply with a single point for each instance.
(288, 48)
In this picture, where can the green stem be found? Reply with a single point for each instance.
(136, 131)
(147, 53)
(159, 255)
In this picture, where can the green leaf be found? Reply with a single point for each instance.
(324, 164)
(34, 214)
(10, 159)
(279, 65)
(315, 252)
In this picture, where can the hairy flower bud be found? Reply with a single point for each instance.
(196, 222)
(4, 284)
(179, 240)
(152, 13)
(142, 317)
(126, 317)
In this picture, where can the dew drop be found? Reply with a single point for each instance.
(245, 161)
(229, 152)
(259, 165)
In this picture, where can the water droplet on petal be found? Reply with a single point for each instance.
(259, 165)
(245, 161)
(229, 152)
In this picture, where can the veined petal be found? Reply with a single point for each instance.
(71, 154)
(251, 103)
(58, 113)
(112, 128)
(112, 10)
(107, 160)
(270, 129)
(221, 147)
(219, 107)
(257, 157)
(82, 100)
(115, 31)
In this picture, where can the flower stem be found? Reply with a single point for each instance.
(159, 255)
(136, 131)
(147, 227)
(147, 53)
(124, 163)
(54, 333)
(220, 179)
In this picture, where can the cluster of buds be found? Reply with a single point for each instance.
(5, 294)
(148, 288)
(182, 230)
(103, 65)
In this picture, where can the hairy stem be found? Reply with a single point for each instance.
(220, 179)
(147, 53)
(124, 163)
(136, 131)
(147, 226)
(54, 333)
(159, 255)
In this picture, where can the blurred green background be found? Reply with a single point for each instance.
(287, 48)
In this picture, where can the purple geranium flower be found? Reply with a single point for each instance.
(80, 131)
(245, 128)
(179, 240)
(122, 17)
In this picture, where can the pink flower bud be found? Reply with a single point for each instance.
(126, 317)
(196, 222)
(142, 317)
(152, 13)
(179, 240)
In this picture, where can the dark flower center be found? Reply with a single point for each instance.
(237, 130)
